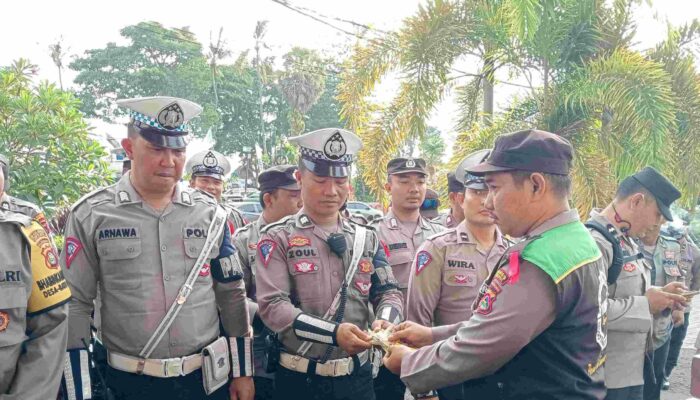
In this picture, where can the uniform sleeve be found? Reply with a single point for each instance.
(41, 360)
(231, 299)
(384, 292)
(274, 285)
(628, 314)
(81, 268)
(240, 243)
(491, 338)
(694, 282)
(424, 286)
(230, 289)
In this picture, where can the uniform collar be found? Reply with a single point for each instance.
(603, 220)
(558, 220)
(260, 222)
(5, 201)
(302, 220)
(127, 194)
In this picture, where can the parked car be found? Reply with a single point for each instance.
(358, 207)
(251, 210)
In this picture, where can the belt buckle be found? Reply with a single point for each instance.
(340, 368)
(173, 367)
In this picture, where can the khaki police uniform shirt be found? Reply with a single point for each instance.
(452, 268)
(690, 266)
(629, 319)
(483, 344)
(447, 220)
(235, 220)
(297, 272)
(246, 241)
(402, 244)
(32, 336)
(139, 259)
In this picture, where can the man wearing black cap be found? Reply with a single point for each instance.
(538, 324)
(455, 193)
(403, 229)
(167, 274)
(280, 196)
(318, 274)
(633, 299)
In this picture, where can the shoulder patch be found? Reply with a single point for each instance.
(423, 259)
(200, 196)
(83, 207)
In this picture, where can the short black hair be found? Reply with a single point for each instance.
(630, 186)
(561, 184)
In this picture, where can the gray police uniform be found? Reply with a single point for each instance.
(139, 258)
(33, 311)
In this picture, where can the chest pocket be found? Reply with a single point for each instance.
(460, 278)
(306, 273)
(120, 270)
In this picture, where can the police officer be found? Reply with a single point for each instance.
(640, 202)
(314, 290)
(208, 170)
(450, 266)
(403, 229)
(430, 205)
(167, 274)
(455, 193)
(662, 255)
(539, 322)
(690, 267)
(280, 196)
(33, 309)
(18, 205)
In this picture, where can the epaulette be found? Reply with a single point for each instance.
(14, 217)
(669, 238)
(24, 203)
(279, 223)
(441, 233)
(202, 196)
(94, 198)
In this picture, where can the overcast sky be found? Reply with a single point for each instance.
(28, 28)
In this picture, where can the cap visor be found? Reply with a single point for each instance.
(215, 176)
(409, 171)
(665, 211)
(476, 186)
(485, 167)
(293, 186)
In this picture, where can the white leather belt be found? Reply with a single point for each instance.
(332, 368)
(166, 368)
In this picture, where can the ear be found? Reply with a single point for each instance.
(266, 199)
(297, 176)
(537, 185)
(387, 186)
(636, 201)
(192, 182)
(128, 146)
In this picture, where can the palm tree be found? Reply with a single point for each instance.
(58, 52)
(302, 83)
(621, 109)
(217, 52)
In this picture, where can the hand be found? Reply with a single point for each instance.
(242, 388)
(352, 339)
(380, 324)
(675, 287)
(660, 300)
(392, 359)
(678, 318)
(412, 334)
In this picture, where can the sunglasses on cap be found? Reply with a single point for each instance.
(430, 204)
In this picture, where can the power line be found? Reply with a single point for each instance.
(286, 4)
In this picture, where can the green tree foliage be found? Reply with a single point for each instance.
(53, 160)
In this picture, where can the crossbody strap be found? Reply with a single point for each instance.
(357, 247)
(216, 227)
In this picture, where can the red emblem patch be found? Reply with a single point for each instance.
(629, 267)
(299, 241)
(365, 267)
(363, 287)
(231, 228)
(265, 248)
(205, 271)
(463, 279)
(4, 320)
(41, 219)
(50, 258)
(386, 248)
(485, 305)
(305, 267)
(73, 247)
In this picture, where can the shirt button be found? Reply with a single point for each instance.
(130, 249)
(162, 218)
(335, 273)
(166, 277)
(163, 248)
(193, 249)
